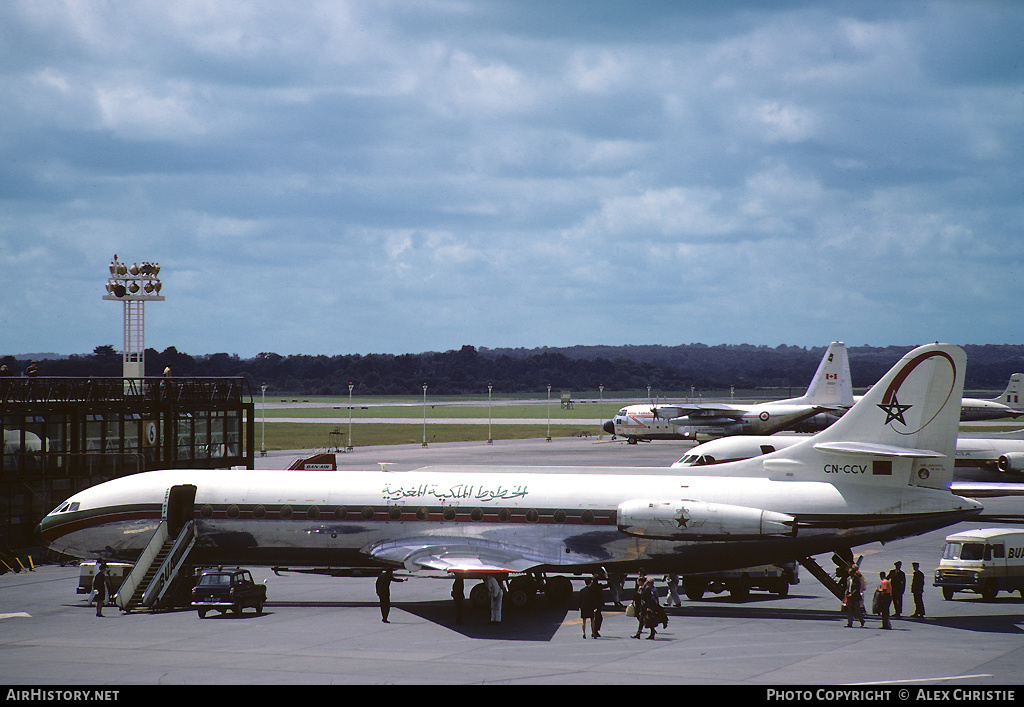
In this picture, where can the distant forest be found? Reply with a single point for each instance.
(467, 371)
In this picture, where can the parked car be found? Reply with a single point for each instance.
(227, 590)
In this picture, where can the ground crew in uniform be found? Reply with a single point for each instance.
(495, 592)
(384, 580)
(99, 585)
(898, 579)
(459, 595)
(917, 590)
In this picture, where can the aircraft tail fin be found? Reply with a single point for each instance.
(1014, 393)
(831, 385)
(905, 426)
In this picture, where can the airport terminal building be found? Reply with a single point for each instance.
(62, 435)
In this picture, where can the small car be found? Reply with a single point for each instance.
(227, 590)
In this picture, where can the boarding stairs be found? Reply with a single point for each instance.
(159, 569)
(824, 577)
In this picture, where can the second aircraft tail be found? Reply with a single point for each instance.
(831, 385)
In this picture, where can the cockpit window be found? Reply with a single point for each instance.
(697, 460)
(66, 508)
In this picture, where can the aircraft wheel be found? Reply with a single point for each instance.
(518, 599)
(558, 589)
(740, 591)
(947, 593)
(479, 597)
(694, 590)
(521, 591)
(202, 613)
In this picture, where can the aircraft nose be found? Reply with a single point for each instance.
(609, 427)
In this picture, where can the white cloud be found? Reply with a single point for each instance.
(773, 174)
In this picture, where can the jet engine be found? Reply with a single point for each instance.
(1012, 462)
(678, 520)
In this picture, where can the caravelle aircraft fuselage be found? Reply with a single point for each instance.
(383, 518)
(882, 472)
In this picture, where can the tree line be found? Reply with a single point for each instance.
(467, 371)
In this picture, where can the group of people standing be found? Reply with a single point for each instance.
(649, 613)
(647, 608)
(889, 593)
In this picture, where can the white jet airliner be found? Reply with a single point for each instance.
(993, 450)
(829, 395)
(882, 472)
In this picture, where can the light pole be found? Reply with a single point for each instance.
(134, 285)
(490, 439)
(348, 448)
(263, 405)
(549, 412)
(424, 414)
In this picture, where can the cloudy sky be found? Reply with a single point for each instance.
(382, 176)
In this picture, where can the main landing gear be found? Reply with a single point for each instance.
(523, 590)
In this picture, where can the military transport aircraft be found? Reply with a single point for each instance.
(881, 472)
(829, 395)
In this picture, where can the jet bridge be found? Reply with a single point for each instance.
(163, 565)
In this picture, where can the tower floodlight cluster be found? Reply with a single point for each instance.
(134, 285)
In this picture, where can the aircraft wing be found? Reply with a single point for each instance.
(982, 489)
(855, 448)
(696, 412)
(468, 554)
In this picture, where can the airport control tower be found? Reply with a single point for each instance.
(134, 285)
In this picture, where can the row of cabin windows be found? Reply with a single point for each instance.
(395, 513)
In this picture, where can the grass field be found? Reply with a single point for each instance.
(594, 411)
(333, 434)
(307, 435)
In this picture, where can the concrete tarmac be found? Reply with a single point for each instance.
(322, 630)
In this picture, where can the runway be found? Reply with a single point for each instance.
(319, 630)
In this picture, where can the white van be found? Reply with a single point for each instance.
(986, 561)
